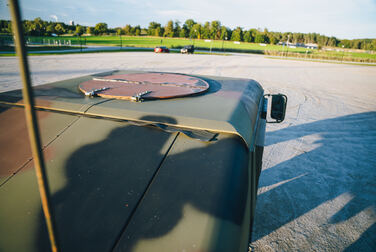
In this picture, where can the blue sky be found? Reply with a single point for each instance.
(340, 18)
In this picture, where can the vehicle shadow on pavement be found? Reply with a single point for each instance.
(106, 180)
(323, 187)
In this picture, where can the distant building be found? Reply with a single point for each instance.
(311, 46)
(71, 22)
(294, 45)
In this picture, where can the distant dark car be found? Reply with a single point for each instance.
(161, 49)
(188, 49)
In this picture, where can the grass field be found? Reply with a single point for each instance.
(215, 45)
(169, 42)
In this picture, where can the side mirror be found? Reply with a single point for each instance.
(278, 107)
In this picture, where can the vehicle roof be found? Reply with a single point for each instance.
(229, 106)
(117, 180)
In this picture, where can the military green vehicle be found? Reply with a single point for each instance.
(152, 171)
(130, 161)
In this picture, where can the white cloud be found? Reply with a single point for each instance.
(54, 17)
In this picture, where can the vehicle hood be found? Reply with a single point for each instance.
(230, 105)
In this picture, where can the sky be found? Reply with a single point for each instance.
(344, 19)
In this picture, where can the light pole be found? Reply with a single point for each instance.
(80, 42)
(223, 40)
(121, 42)
(288, 38)
(343, 52)
(194, 39)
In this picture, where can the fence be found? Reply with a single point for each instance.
(7, 40)
(55, 41)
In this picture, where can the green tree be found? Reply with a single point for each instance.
(152, 29)
(332, 41)
(119, 31)
(225, 33)
(89, 30)
(274, 40)
(3, 26)
(373, 43)
(183, 32)
(137, 30)
(144, 31)
(158, 32)
(215, 29)
(80, 30)
(253, 33)
(285, 36)
(59, 28)
(297, 37)
(38, 26)
(357, 44)
(27, 26)
(8, 28)
(169, 29)
(260, 38)
(247, 36)
(322, 40)
(132, 31)
(237, 34)
(127, 29)
(101, 28)
(177, 28)
(206, 31)
(189, 24)
(196, 31)
(50, 29)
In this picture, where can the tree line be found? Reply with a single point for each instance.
(189, 29)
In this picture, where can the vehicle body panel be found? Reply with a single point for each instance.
(97, 174)
(198, 201)
(15, 149)
(236, 99)
(125, 175)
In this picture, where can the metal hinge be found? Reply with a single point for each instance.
(94, 92)
(138, 97)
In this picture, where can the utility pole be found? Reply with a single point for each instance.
(343, 52)
(288, 38)
(225, 38)
(194, 38)
(80, 43)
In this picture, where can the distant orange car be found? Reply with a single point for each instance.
(161, 49)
